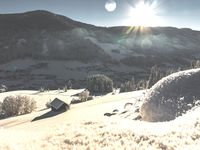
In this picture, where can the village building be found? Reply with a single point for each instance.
(59, 105)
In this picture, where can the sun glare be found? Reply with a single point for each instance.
(143, 14)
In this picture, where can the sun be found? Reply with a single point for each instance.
(143, 14)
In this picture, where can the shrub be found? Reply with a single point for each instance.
(128, 86)
(69, 84)
(65, 88)
(133, 86)
(99, 84)
(84, 95)
(3, 88)
(1, 111)
(75, 101)
(155, 76)
(195, 64)
(90, 98)
(142, 85)
(48, 104)
(19, 105)
(42, 89)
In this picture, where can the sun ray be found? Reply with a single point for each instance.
(142, 16)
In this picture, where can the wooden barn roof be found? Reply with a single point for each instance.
(57, 103)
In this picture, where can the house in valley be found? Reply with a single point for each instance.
(59, 105)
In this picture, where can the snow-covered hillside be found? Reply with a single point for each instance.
(84, 126)
(60, 34)
(58, 41)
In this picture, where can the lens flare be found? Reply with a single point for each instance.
(143, 15)
(110, 5)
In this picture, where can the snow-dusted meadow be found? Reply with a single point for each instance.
(85, 126)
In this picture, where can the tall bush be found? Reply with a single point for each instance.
(1, 111)
(128, 86)
(195, 64)
(3, 88)
(19, 105)
(155, 76)
(99, 84)
(84, 95)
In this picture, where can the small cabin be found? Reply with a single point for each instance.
(59, 105)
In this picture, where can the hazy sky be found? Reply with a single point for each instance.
(178, 13)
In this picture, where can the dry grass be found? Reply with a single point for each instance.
(84, 127)
(104, 134)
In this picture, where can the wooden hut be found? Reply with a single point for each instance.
(59, 105)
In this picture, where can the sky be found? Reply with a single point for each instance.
(176, 13)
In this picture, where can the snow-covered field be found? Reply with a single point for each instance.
(84, 126)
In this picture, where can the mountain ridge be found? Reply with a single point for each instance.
(45, 36)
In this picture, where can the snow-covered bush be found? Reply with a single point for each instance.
(195, 64)
(3, 88)
(48, 104)
(42, 89)
(155, 76)
(1, 111)
(13, 106)
(99, 84)
(65, 88)
(128, 86)
(141, 85)
(84, 95)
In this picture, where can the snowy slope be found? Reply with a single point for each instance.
(85, 127)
